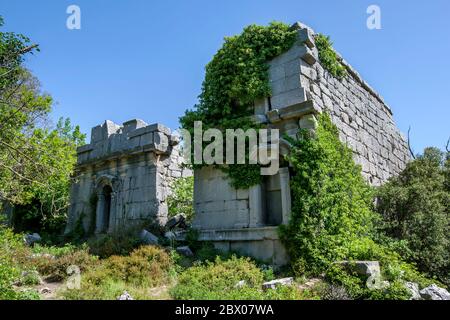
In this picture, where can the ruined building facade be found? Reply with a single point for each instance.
(246, 220)
(123, 176)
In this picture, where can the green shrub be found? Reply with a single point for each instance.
(117, 243)
(332, 217)
(11, 248)
(415, 209)
(218, 279)
(147, 265)
(55, 267)
(215, 279)
(328, 57)
(181, 199)
(53, 250)
(29, 278)
(144, 268)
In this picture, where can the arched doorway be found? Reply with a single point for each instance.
(107, 190)
(104, 206)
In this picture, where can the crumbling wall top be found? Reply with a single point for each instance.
(133, 136)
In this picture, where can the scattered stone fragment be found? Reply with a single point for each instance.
(31, 239)
(45, 290)
(170, 235)
(414, 289)
(434, 292)
(178, 220)
(278, 282)
(125, 296)
(185, 251)
(148, 238)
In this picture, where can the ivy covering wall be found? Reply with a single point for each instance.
(234, 79)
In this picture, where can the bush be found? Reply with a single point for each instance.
(332, 217)
(148, 265)
(145, 267)
(55, 267)
(10, 269)
(415, 209)
(118, 243)
(218, 279)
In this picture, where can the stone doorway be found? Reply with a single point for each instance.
(103, 212)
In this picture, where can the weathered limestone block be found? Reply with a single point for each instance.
(278, 282)
(434, 292)
(121, 178)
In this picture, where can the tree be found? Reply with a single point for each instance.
(415, 208)
(36, 161)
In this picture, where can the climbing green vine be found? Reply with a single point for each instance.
(332, 217)
(328, 57)
(235, 78)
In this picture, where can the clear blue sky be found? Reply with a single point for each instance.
(145, 59)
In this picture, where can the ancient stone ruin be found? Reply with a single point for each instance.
(123, 176)
(247, 220)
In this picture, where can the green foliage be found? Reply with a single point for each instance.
(55, 267)
(332, 217)
(35, 161)
(415, 209)
(218, 279)
(331, 206)
(182, 197)
(235, 78)
(328, 57)
(44, 206)
(10, 270)
(121, 242)
(145, 267)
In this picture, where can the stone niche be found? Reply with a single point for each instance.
(246, 220)
(123, 176)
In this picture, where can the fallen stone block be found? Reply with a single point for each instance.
(185, 251)
(414, 290)
(148, 238)
(278, 282)
(177, 220)
(45, 290)
(125, 296)
(363, 268)
(170, 235)
(434, 292)
(31, 239)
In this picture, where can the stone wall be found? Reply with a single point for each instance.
(246, 220)
(123, 176)
(364, 120)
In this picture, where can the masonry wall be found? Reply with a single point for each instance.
(246, 220)
(364, 120)
(217, 204)
(138, 162)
